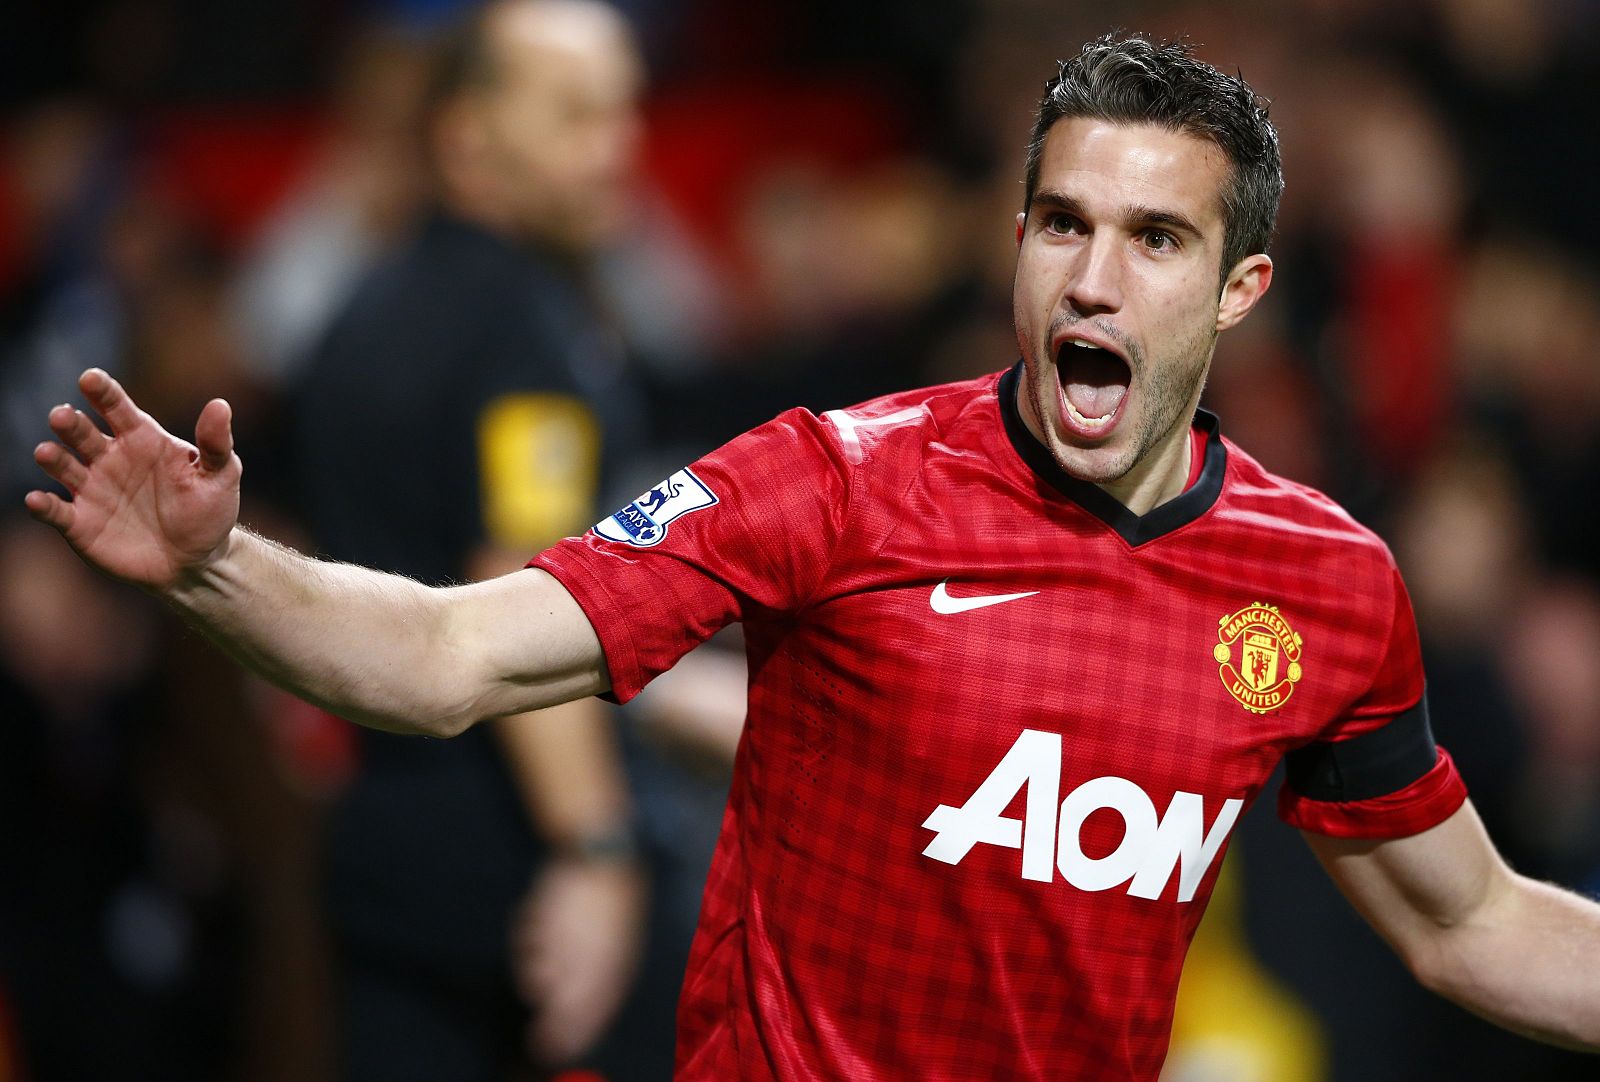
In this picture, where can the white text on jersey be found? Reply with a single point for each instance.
(1048, 835)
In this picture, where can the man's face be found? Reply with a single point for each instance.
(1118, 297)
(561, 123)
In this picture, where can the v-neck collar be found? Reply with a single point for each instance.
(1177, 512)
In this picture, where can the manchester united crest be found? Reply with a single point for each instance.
(1260, 657)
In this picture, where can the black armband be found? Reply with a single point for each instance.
(1374, 764)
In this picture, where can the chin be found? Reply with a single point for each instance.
(1096, 465)
(1099, 462)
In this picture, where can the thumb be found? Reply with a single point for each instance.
(213, 435)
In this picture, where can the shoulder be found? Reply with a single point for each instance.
(876, 446)
(1302, 519)
(905, 423)
(874, 433)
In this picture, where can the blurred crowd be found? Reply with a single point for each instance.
(821, 210)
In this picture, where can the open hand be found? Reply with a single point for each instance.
(146, 507)
(575, 944)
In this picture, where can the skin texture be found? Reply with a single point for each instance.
(162, 514)
(146, 507)
(1517, 952)
(1123, 246)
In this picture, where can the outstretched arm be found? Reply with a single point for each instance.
(1522, 954)
(153, 510)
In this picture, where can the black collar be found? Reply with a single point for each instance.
(1179, 511)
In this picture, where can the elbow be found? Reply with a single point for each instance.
(456, 725)
(409, 723)
(432, 709)
(432, 712)
(1456, 952)
(1430, 965)
(1455, 962)
(445, 723)
(460, 703)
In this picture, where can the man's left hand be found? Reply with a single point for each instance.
(575, 946)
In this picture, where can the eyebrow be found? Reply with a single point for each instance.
(1138, 214)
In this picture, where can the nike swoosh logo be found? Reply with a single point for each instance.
(945, 605)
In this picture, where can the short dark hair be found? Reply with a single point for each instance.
(1127, 79)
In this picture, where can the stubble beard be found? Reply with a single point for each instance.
(1167, 389)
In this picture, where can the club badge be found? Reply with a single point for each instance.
(1260, 657)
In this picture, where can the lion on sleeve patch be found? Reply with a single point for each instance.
(643, 523)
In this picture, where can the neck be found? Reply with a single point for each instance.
(1162, 474)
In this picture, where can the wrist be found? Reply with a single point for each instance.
(208, 574)
(611, 845)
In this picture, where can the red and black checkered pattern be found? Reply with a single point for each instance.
(830, 946)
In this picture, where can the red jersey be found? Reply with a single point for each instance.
(999, 729)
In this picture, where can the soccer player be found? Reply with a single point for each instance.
(1021, 650)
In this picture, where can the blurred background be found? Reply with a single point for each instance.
(821, 210)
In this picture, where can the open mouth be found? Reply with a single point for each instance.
(1094, 383)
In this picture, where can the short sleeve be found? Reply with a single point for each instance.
(746, 532)
(1377, 773)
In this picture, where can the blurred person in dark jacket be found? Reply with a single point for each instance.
(453, 422)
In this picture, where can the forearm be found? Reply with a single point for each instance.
(1528, 959)
(160, 513)
(371, 647)
(568, 769)
(1522, 954)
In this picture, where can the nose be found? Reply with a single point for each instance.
(1094, 279)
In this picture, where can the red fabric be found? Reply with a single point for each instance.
(1426, 802)
(832, 945)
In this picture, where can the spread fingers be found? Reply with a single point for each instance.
(49, 508)
(74, 428)
(61, 464)
(110, 401)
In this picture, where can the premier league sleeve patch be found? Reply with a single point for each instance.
(643, 523)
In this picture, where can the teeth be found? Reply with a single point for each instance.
(1089, 422)
(1081, 344)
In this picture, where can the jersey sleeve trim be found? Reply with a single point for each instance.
(1378, 762)
(589, 590)
(1423, 804)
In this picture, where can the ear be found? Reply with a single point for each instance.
(1247, 283)
(1022, 216)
